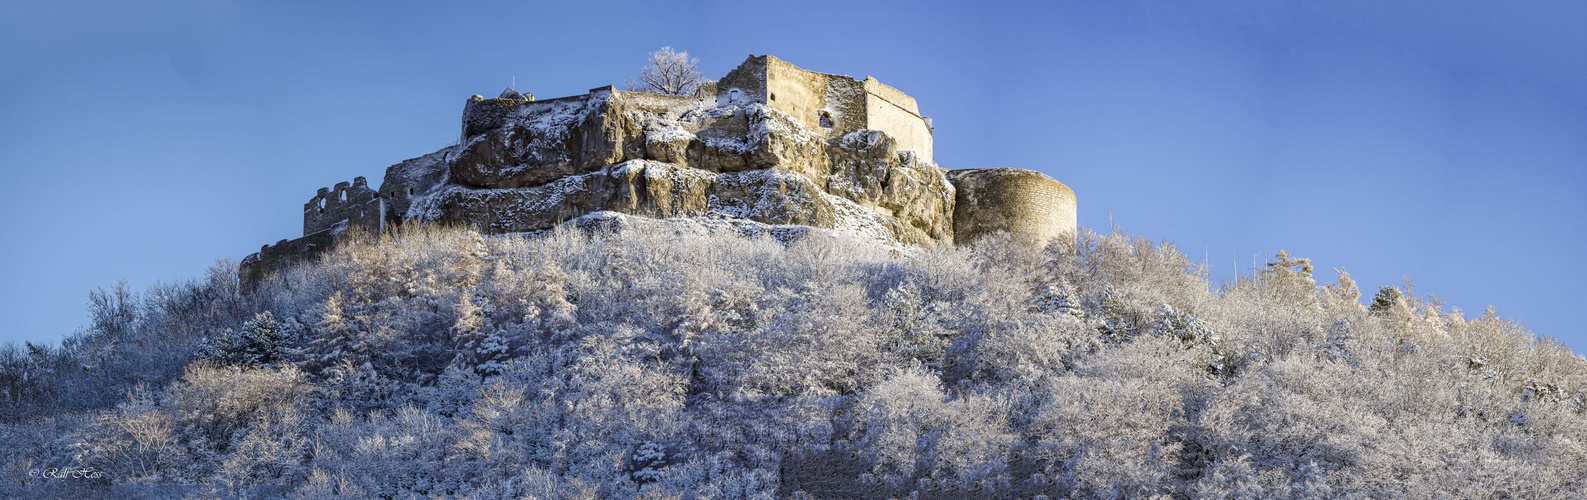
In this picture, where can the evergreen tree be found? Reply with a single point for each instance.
(1056, 300)
(1111, 317)
(259, 343)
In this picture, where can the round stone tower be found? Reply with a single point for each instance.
(1023, 203)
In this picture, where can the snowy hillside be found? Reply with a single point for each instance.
(662, 363)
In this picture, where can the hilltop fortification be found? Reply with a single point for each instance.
(769, 145)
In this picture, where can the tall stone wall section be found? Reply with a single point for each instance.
(832, 105)
(412, 179)
(1023, 203)
(889, 110)
(745, 84)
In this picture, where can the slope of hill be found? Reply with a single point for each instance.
(670, 364)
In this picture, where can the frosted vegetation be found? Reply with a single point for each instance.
(437, 363)
(668, 71)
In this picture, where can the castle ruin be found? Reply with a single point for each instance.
(769, 144)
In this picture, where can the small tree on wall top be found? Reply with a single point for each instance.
(668, 72)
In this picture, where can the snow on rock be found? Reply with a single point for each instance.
(532, 165)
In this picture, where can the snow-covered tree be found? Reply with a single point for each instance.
(438, 363)
(668, 71)
(260, 342)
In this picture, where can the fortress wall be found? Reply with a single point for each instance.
(897, 97)
(800, 93)
(846, 105)
(1023, 203)
(652, 103)
(806, 95)
(412, 178)
(355, 203)
(271, 258)
(889, 110)
(797, 92)
(749, 79)
(369, 215)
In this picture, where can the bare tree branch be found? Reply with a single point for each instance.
(668, 72)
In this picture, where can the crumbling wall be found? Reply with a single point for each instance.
(845, 106)
(355, 204)
(1023, 203)
(257, 267)
(828, 104)
(802, 94)
(413, 178)
(745, 84)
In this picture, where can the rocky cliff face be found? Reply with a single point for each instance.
(727, 161)
(530, 165)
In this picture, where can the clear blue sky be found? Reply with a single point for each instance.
(1445, 141)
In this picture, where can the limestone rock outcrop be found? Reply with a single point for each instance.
(528, 165)
(773, 146)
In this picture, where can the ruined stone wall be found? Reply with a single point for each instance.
(412, 178)
(272, 258)
(745, 84)
(807, 96)
(652, 103)
(1023, 203)
(797, 92)
(845, 105)
(889, 110)
(356, 204)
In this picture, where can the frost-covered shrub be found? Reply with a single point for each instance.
(245, 424)
(437, 362)
(137, 441)
(909, 430)
(1020, 352)
(1115, 426)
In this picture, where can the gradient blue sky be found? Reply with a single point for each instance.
(1445, 141)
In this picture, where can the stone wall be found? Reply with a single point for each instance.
(807, 96)
(745, 84)
(356, 204)
(271, 258)
(1023, 203)
(846, 104)
(413, 178)
(889, 110)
